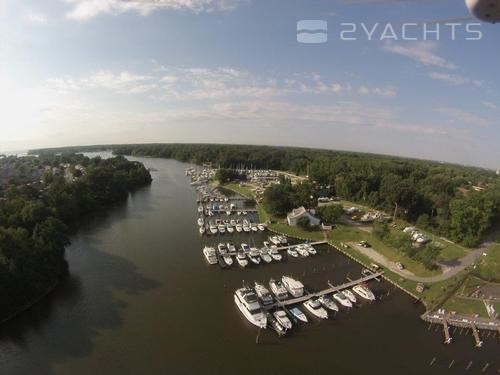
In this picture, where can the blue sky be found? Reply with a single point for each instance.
(77, 72)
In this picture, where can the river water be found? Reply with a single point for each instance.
(140, 299)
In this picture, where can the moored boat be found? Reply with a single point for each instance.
(278, 289)
(296, 312)
(275, 254)
(328, 303)
(242, 259)
(210, 255)
(295, 287)
(364, 292)
(283, 319)
(350, 295)
(314, 307)
(342, 299)
(248, 303)
(263, 294)
(264, 254)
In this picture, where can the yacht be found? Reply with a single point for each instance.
(210, 255)
(264, 254)
(311, 250)
(254, 228)
(350, 295)
(231, 247)
(315, 308)
(283, 319)
(222, 229)
(275, 254)
(280, 330)
(261, 227)
(278, 289)
(342, 299)
(239, 228)
(222, 249)
(302, 250)
(242, 259)
(202, 230)
(213, 229)
(246, 228)
(263, 294)
(245, 248)
(295, 287)
(254, 256)
(292, 252)
(328, 303)
(230, 228)
(228, 259)
(296, 312)
(364, 292)
(200, 221)
(248, 303)
(275, 240)
(283, 240)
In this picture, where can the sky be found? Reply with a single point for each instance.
(84, 72)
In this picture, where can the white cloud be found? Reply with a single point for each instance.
(86, 9)
(423, 52)
(37, 18)
(460, 116)
(490, 105)
(454, 79)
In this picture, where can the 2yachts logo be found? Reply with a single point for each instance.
(314, 31)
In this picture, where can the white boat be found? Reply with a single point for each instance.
(264, 254)
(202, 230)
(342, 299)
(228, 212)
(267, 245)
(295, 287)
(254, 256)
(292, 252)
(364, 292)
(315, 308)
(200, 221)
(311, 250)
(231, 247)
(254, 228)
(283, 240)
(283, 319)
(222, 249)
(278, 289)
(280, 330)
(222, 229)
(239, 228)
(200, 209)
(246, 228)
(233, 222)
(350, 295)
(296, 312)
(275, 240)
(210, 255)
(213, 229)
(228, 259)
(245, 248)
(261, 227)
(244, 212)
(242, 259)
(230, 228)
(275, 254)
(238, 213)
(328, 303)
(263, 294)
(248, 303)
(302, 250)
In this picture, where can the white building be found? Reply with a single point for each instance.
(293, 217)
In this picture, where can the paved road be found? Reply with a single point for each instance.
(448, 270)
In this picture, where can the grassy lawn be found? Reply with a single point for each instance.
(466, 306)
(470, 285)
(263, 215)
(297, 232)
(242, 190)
(489, 266)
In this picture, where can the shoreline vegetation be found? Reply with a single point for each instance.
(42, 200)
(457, 206)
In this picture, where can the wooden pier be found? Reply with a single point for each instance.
(330, 290)
(283, 248)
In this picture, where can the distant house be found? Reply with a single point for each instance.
(293, 217)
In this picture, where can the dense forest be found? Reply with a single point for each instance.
(40, 199)
(458, 202)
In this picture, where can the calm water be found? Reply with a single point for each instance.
(142, 300)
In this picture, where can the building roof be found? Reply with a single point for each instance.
(297, 212)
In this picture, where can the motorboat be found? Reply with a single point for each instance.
(296, 312)
(283, 240)
(244, 213)
(254, 228)
(232, 222)
(280, 330)
(275, 240)
(248, 303)
(246, 228)
(292, 252)
(254, 256)
(302, 250)
(278, 289)
(263, 294)
(342, 299)
(261, 227)
(282, 318)
(316, 309)
(264, 254)
(200, 221)
(202, 230)
(275, 254)
(267, 245)
(210, 255)
(213, 229)
(230, 228)
(311, 250)
(228, 259)
(228, 212)
(238, 213)
(231, 247)
(222, 229)
(295, 287)
(200, 209)
(364, 292)
(245, 248)
(328, 303)
(222, 249)
(239, 228)
(242, 259)
(350, 295)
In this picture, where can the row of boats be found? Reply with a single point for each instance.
(220, 226)
(229, 210)
(255, 303)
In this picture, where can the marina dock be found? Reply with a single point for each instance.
(332, 289)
